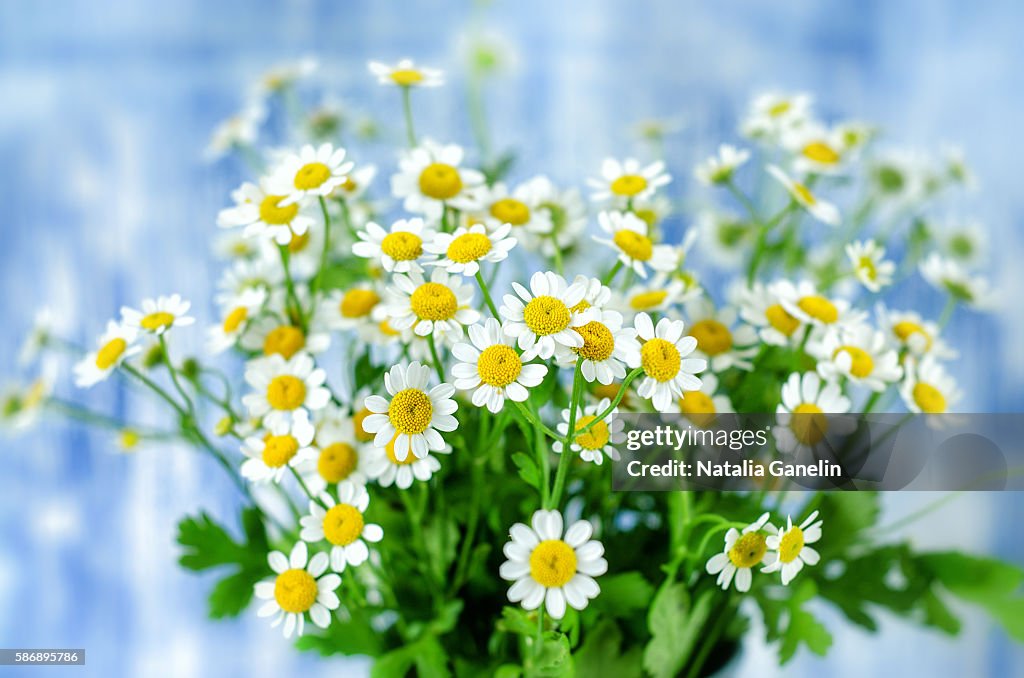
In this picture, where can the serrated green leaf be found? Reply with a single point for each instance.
(601, 654)
(623, 594)
(675, 625)
(207, 544)
(232, 594)
(554, 660)
(430, 659)
(787, 621)
(528, 470)
(989, 583)
(516, 620)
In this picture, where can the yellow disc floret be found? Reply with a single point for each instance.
(598, 341)
(402, 246)
(357, 424)
(594, 439)
(312, 175)
(157, 321)
(468, 247)
(819, 308)
(660, 359)
(343, 524)
(780, 319)
(906, 329)
(629, 185)
(698, 407)
(820, 152)
(510, 211)
(410, 411)
(861, 364)
(337, 461)
(434, 301)
(804, 194)
(279, 450)
(712, 336)
(791, 544)
(546, 315)
(808, 423)
(748, 550)
(647, 300)
(406, 77)
(929, 399)
(273, 215)
(295, 590)
(285, 341)
(110, 353)
(440, 181)
(286, 392)
(499, 365)
(634, 245)
(552, 563)
(358, 303)
(234, 319)
(389, 449)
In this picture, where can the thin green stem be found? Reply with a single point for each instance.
(611, 274)
(305, 487)
(318, 279)
(535, 421)
(570, 435)
(174, 375)
(487, 296)
(154, 387)
(947, 311)
(293, 298)
(435, 358)
(407, 108)
(557, 256)
(615, 401)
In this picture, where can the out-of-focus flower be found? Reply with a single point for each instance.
(630, 238)
(743, 552)
(406, 73)
(869, 264)
(628, 180)
(950, 277)
(928, 388)
(116, 345)
(790, 547)
(430, 178)
(719, 168)
(821, 210)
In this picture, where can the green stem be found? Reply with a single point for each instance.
(174, 375)
(559, 264)
(947, 311)
(615, 402)
(305, 487)
(611, 274)
(154, 387)
(487, 296)
(315, 285)
(570, 435)
(435, 358)
(293, 298)
(407, 108)
(535, 421)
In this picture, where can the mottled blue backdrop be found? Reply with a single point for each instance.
(107, 107)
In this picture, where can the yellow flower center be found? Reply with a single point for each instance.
(440, 181)
(510, 211)
(273, 215)
(867, 266)
(861, 364)
(312, 175)
(285, 341)
(357, 424)
(580, 307)
(402, 246)
(552, 563)
(819, 308)
(234, 319)
(129, 439)
(546, 315)
(469, 247)
(295, 590)
(349, 185)
(634, 245)
(929, 398)
(647, 215)
(156, 321)
(279, 450)
(286, 392)
(779, 109)
(808, 423)
(387, 330)
(406, 77)
(698, 407)
(433, 301)
(336, 462)
(594, 439)
(499, 365)
(410, 411)
(820, 152)
(298, 242)
(647, 300)
(110, 353)
(781, 320)
(712, 336)
(660, 359)
(389, 449)
(629, 185)
(343, 524)
(598, 341)
(791, 544)
(748, 550)
(358, 303)
(906, 329)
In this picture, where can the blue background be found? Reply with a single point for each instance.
(106, 199)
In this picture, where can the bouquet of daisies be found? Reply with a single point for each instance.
(423, 430)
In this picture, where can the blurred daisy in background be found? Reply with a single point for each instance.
(237, 310)
(386, 469)
(158, 315)
(406, 73)
(719, 168)
(116, 345)
(802, 426)
(908, 331)
(627, 181)
(790, 550)
(430, 179)
(721, 339)
(928, 388)
(773, 113)
(703, 405)
(869, 264)
(860, 353)
(946, 275)
(630, 238)
(742, 553)
(821, 210)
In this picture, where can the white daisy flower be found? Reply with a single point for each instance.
(429, 178)
(351, 309)
(815, 149)
(491, 366)
(282, 388)
(339, 452)
(725, 237)
(869, 264)
(628, 181)
(440, 306)
(238, 311)
(908, 331)
(116, 345)
(300, 588)
(310, 173)
(600, 440)
(966, 242)
(542, 316)
(566, 212)
(238, 131)
(398, 249)
(463, 250)
(860, 353)
(946, 275)
(928, 388)
(657, 296)
(413, 413)
(158, 315)
(721, 339)
(342, 524)
(607, 346)
(629, 237)
(719, 168)
(821, 210)
(406, 74)
(742, 553)
(802, 424)
(790, 546)
(761, 307)
(384, 466)
(773, 113)
(663, 355)
(263, 215)
(596, 295)
(550, 568)
(21, 404)
(258, 273)
(524, 208)
(702, 406)
(270, 336)
(286, 444)
(803, 302)
(356, 182)
(285, 75)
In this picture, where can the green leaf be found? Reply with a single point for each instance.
(675, 625)
(232, 594)
(528, 470)
(850, 515)
(786, 620)
(601, 654)
(441, 538)
(516, 620)
(207, 544)
(431, 659)
(554, 658)
(623, 594)
(989, 583)
(394, 664)
(346, 638)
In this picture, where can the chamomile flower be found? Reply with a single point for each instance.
(790, 547)
(762, 308)
(541, 317)
(725, 237)
(439, 306)
(656, 296)
(928, 388)
(907, 330)
(946, 275)
(821, 210)
(607, 346)
(300, 588)
(158, 315)
(116, 345)
(525, 208)
(22, 403)
(264, 214)
(493, 368)
(860, 353)
(429, 178)
(284, 75)
(668, 372)
(462, 251)
(567, 213)
(869, 264)
(238, 311)
(350, 309)
(356, 182)
(285, 445)
(719, 168)
(339, 454)
(413, 413)
(966, 242)
(270, 336)
(702, 406)
(773, 113)
(815, 149)
(803, 302)
(386, 469)
(282, 388)
(398, 249)
(599, 441)
(627, 181)
(630, 238)
(238, 131)
(742, 553)
(550, 567)
(721, 339)
(406, 73)
(802, 424)
(313, 172)
(343, 525)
